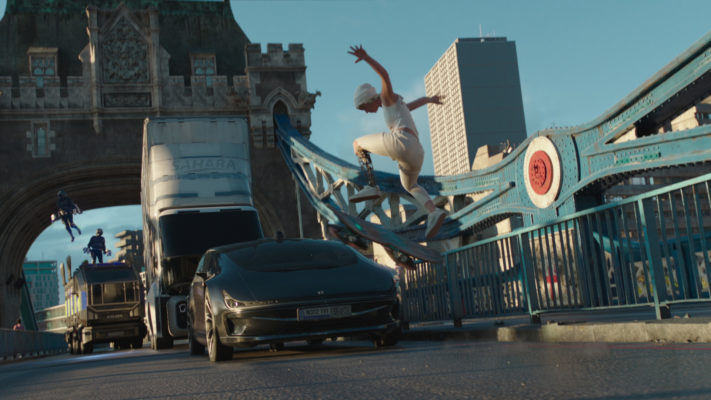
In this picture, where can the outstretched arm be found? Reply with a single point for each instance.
(436, 99)
(387, 95)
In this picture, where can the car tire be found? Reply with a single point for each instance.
(196, 348)
(215, 349)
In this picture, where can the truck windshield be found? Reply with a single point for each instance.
(115, 292)
(192, 233)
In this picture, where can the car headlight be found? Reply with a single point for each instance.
(231, 302)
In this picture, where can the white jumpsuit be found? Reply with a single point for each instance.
(402, 145)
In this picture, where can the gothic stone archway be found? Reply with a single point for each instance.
(77, 81)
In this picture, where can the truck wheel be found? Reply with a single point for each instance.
(137, 344)
(87, 348)
(389, 339)
(161, 343)
(75, 344)
(196, 348)
(215, 349)
(275, 347)
(70, 343)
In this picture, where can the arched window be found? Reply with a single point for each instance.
(39, 135)
(279, 108)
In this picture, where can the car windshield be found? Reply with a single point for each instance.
(292, 255)
(194, 232)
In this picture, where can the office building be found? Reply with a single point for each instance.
(479, 80)
(43, 283)
(130, 247)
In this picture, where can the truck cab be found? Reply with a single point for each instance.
(104, 304)
(186, 235)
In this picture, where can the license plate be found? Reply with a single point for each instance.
(324, 312)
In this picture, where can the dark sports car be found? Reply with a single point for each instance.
(273, 291)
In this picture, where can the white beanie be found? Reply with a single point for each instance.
(365, 93)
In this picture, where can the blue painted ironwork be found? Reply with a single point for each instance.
(592, 156)
(648, 250)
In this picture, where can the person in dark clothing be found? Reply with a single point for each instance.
(97, 247)
(65, 210)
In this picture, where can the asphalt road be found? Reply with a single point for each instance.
(356, 370)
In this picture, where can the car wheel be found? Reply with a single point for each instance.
(315, 342)
(215, 349)
(196, 348)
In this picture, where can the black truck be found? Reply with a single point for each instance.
(104, 304)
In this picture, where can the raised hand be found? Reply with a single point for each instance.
(436, 99)
(359, 52)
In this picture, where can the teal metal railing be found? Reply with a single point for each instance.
(651, 250)
(19, 344)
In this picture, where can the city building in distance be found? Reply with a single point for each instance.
(130, 247)
(42, 282)
(479, 80)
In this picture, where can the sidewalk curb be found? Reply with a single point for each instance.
(666, 331)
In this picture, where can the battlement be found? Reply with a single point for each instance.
(32, 93)
(275, 55)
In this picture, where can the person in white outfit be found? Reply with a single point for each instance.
(402, 143)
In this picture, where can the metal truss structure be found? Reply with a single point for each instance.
(553, 173)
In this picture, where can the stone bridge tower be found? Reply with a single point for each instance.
(77, 80)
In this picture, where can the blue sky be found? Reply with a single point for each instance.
(576, 60)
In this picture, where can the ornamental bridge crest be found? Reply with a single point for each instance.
(124, 54)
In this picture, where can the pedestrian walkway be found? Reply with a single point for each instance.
(691, 324)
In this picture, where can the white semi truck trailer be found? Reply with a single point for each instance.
(195, 194)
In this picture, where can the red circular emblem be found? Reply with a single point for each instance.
(540, 172)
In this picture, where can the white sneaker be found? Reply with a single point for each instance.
(367, 193)
(434, 222)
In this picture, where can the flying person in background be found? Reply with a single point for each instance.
(402, 143)
(65, 210)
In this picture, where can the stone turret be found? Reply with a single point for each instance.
(277, 84)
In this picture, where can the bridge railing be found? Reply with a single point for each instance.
(16, 344)
(651, 250)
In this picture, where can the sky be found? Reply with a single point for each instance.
(576, 59)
